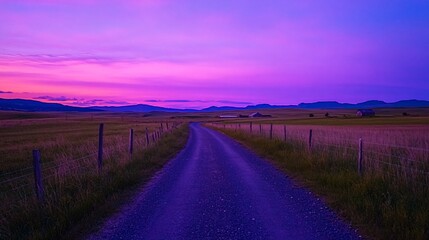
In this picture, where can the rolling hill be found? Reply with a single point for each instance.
(37, 106)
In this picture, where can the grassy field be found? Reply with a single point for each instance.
(388, 202)
(73, 187)
(415, 116)
(71, 136)
(331, 121)
(383, 204)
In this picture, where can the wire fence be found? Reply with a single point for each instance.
(22, 185)
(383, 153)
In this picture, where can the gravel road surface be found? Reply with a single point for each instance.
(217, 189)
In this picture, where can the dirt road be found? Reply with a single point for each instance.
(217, 189)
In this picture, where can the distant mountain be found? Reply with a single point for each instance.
(268, 106)
(36, 106)
(410, 103)
(324, 105)
(367, 104)
(218, 109)
(250, 107)
(372, 104)
(141, 108)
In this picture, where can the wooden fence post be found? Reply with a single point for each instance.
(360, 157)
(260, 129)
(100, 147)
(166, 125)
(310, 137)
(147, 137)
(131, 141)
(271, 131)
(251, 127)
(40, 191)
(284, 132)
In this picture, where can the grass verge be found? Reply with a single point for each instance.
(381, 207)
(85, 198)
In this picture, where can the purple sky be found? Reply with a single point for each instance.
(201, 53)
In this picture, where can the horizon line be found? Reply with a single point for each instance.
(203, 108)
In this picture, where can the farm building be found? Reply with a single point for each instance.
(253, 115)
(228, 116)
(365, 113)
(257, 114)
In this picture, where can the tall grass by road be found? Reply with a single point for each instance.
(73, 188)
(400, 151)
(382, 205)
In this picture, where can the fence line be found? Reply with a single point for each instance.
(16, 171)
(26, 183)
(15, 178)
(367, 155)
(68, 163)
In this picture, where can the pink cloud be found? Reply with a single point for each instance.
(227, 50)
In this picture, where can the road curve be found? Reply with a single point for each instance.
(217, 189)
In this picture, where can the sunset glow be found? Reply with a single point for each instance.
(194, 54)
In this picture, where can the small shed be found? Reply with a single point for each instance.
(365, 113)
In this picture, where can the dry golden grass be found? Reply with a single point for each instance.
(401, 150)
(69, 148)
(389, 201)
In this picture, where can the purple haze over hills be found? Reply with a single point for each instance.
(36, 106)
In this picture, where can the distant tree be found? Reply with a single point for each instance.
(311, 115)
(405, 114)
(327, 114)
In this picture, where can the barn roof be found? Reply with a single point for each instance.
(255, 114)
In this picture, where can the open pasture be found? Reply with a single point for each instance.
(374, 170)
(70, 135)
(392, 144)
(345, 117)
(69, 145)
